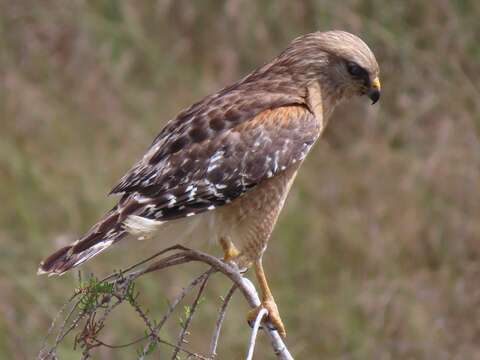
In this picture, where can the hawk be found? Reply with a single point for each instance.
(231, 158)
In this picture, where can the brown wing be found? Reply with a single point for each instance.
(213, 172)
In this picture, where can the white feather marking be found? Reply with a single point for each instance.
(137, 225)
(110, 233)
(172, 201)
(275, 161)
(101, 245)
(212, 167)
(141, 199)
(92, 251)
(191, 196)
(217, 156)
(212, 189)
(150, 209)
(40, 271)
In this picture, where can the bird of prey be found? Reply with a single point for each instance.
(231, 158)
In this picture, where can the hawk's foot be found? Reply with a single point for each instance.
(230, 252)
(273, 316)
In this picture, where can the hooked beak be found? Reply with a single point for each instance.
(374, 91)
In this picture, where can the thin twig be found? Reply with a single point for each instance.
(219, 322)
(171, 308)
(63, 333)
(171, 260)
(50, 353)
(57, 316)
(173, 346)
(187, 322)
(134, 266)
(253, 338)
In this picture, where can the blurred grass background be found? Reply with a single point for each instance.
(377, 253)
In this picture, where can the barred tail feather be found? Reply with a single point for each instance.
(73, 255)
(103, 234)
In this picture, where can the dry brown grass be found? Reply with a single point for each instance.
(381, 233)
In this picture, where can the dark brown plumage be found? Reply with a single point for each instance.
(236, 151)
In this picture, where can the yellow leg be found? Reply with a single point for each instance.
(229, 250)
(267, 301)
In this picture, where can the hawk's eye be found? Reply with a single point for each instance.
(355, 69)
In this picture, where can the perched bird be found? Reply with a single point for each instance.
(231, 158)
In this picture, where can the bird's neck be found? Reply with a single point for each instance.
(320, 102)
(297, 80)
(331, 97)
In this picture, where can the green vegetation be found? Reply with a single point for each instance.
(377, 253)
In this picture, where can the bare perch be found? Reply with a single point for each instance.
(228, 269)
(253, 338)
(121, 287)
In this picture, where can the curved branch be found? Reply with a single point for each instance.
(253, 338)
(245, 286)
(120, 286)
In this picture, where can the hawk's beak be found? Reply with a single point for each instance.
(374, 91)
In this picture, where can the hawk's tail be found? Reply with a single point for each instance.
(104, 233)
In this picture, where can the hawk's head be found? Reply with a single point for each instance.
(342, 63)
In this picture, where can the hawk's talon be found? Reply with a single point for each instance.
(251, 323)
(273, 317)
(230, 252)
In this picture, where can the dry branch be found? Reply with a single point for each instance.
(253, 338)
(93, 302)
(218, 324)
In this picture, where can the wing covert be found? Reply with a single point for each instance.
(214, 172)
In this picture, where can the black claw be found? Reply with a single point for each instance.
(251, 323)
(271, 327)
